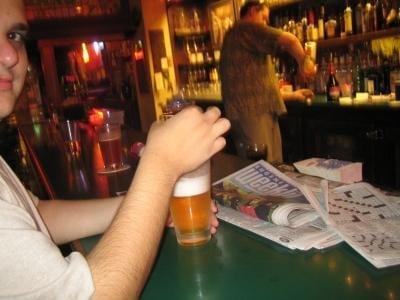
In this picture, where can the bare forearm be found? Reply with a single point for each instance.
(122, 260)
(68, 220)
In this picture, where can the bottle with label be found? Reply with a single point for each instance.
(332, 85)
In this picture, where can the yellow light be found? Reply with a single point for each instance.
(85, 54)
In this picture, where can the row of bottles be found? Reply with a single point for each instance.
(369, 73)
(201, 80)
(187, 21)
(343, 74)
(197, 52)
(314, 23)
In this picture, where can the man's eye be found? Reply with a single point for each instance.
(19, 37)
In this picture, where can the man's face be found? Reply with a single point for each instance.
(13, 58)
(260, 16)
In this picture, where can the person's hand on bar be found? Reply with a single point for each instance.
(301, 95)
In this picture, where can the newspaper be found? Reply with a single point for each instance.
(265, 201)
(364, 217)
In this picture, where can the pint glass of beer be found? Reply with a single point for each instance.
(110, 145)
(191, 207)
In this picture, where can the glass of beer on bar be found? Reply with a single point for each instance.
(111, 148)
(191, 207)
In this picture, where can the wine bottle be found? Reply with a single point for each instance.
(332, 85)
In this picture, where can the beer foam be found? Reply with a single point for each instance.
(193, 183)
(192, 186)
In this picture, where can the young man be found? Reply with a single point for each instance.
(31, 265)
(250, 91)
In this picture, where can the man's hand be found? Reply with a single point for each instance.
(185, 141)
(301, 95)
(307, 68)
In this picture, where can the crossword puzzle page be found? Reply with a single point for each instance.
(367, 222)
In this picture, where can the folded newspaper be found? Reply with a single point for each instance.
(368, 220)
(265, 201)
(331, 169)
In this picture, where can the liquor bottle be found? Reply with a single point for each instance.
(188, 50)
(32, 91)
(348, 19)
(331, 26)
(392, 15)
(320, 77)
(369, 16)
(359, 18)
(385, 71)
(332, 85)
(196, 21)
(358, 77)
(311, 24)
(193, 52)
(304, 23)
(379, 14)
(321, 23)
(341, 31)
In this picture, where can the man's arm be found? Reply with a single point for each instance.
(292, 45)
(121, 261)
(68, 220)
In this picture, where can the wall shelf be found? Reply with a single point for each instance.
(125, 22)
(358, 38)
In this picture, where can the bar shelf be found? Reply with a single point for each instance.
(357, 38)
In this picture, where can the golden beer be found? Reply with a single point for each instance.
(191, 207)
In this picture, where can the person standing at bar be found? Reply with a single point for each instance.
(31, 265)
(250, 91)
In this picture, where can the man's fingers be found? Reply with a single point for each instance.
(221, 126)
(212, 113)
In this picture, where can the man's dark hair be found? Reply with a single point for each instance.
(259, 5)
